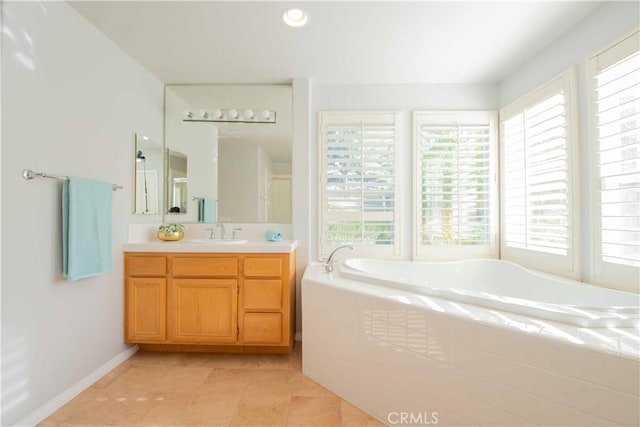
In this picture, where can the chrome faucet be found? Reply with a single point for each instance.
(212, 232)
(223, 232)
(234, 236)
(328, 265)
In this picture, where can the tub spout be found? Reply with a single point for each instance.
(328, 265)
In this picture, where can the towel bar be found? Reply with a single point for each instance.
(29, 174)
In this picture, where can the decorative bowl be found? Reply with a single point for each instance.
(173, 236)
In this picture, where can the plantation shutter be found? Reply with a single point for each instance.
(455, 155)
(536, 177)
(359, 205)
(539, 196)
(616, 98)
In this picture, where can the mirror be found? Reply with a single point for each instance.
(176, 182)
(243, 167)
(149, 170)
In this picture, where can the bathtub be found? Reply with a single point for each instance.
(452, 344)
(504, 286)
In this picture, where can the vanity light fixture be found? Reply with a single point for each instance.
(231, 115)
(295, 17)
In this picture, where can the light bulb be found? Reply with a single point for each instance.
(295, 17)
(248, 114)
(266, 114)
(203, 114)
(217, 113)
(187, 114)
(233, 113)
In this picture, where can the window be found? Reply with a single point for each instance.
(538, 149)
(455, 184)
(614, 76)
(358, 200)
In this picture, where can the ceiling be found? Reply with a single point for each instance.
(344, 42)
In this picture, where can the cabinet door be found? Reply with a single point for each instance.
(204, 310)
(146, 309)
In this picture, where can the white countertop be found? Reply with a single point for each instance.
(251, 246)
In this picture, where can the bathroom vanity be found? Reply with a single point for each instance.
(210, 297)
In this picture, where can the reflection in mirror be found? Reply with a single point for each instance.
(177, 179)
(245, 168)
(148, 173)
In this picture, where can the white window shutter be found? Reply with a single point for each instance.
(539, 192)
(455, 154)
(615, 79)
(359, 182)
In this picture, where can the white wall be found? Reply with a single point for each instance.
(604, 25)
(71, 102)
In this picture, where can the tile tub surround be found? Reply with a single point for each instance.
(198, 389)
(420, 355)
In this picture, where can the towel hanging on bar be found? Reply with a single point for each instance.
(86, 228)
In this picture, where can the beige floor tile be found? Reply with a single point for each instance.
(227, 381)
(107, 411)
(301, 385)
(274, 361)
(113, 375)
(263, 410)
(183, 389)
(153, 358)
(264, 382)
(223, 360)
(175, 379)
(354, 417)
(210, 410)
(314, 411)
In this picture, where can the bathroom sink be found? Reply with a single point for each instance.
(219, 241)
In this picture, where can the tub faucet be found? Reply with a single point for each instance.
(328, 265)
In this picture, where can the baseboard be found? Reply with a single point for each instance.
(298, 336)
(56, 403)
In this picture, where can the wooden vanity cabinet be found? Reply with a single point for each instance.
(210, 301)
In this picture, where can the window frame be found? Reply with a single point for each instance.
(603, 273)
(561, 265)
(337, 118)
(447, 118)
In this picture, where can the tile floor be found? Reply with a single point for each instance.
(195, 389)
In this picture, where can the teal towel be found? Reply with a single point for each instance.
(207, 209)
(86, 228)
(273, 235)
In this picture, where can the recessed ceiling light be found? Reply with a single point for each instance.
(295, 17)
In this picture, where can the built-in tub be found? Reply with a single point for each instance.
(505, 286)
(407, 356)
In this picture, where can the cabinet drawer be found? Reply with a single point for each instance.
(262, 328)
(262, 294)
(205, 266)
(146, 266)
(263, 267)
